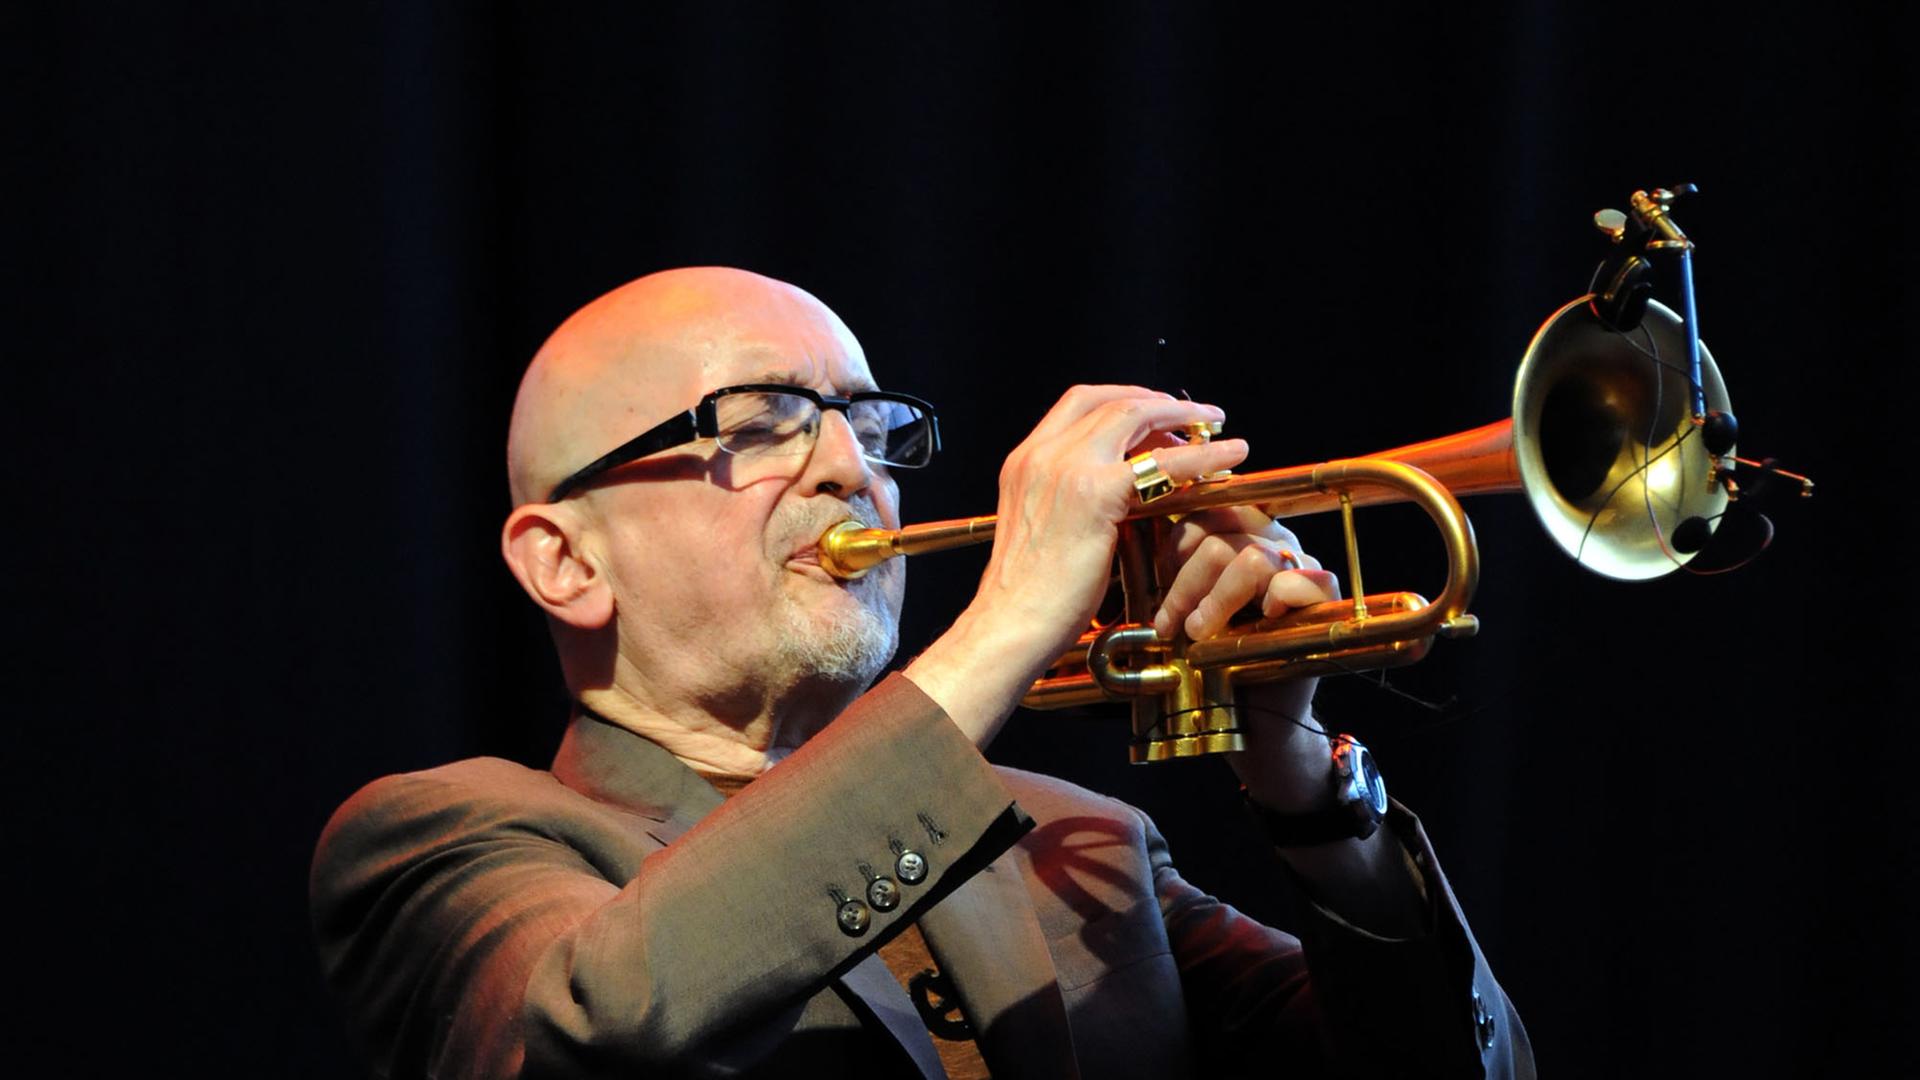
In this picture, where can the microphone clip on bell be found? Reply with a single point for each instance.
(1623, 283)
(1752, 488)
(1764, 482)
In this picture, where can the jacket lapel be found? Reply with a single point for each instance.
(987, 940)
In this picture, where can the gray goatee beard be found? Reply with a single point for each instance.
(847, 645)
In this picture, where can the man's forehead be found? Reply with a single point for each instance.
(841, 377)
(708, 324)
(811, 348)
(657, 345)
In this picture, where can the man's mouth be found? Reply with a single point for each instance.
(805, 558)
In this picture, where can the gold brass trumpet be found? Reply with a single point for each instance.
(1602, 441)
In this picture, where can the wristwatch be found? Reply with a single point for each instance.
(1359, 803)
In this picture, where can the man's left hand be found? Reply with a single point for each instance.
(1229, 558)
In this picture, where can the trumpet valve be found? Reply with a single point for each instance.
(1203, 431)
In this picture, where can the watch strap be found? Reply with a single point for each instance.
(1351, 815)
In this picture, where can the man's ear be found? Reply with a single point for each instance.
(541, 543)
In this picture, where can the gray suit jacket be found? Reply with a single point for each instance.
(613, 917)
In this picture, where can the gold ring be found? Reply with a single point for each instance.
(1150, 481)
(1290, 560)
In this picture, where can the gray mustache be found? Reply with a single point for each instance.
(859, 508)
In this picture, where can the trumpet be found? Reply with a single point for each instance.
(1603, 441)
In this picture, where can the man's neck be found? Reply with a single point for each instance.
(744, 732)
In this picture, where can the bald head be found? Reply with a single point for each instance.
(651, 348)
(638, 575)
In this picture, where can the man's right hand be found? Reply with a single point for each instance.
(1063, 493)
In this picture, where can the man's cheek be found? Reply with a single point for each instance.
(889, 501)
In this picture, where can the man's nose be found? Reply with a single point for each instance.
(838, 465)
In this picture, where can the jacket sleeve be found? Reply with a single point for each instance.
(1363, 1004)
(478, 921)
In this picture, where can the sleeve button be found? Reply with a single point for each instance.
(911, 867)
(883, 894)
(854, 918)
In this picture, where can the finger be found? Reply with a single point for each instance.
(1186, 534)
(1278, 531)
(1194, 579)
(1118, 425)
(1185, 464)
(1246, 578)
(1298, 589)
(1280, 534)
(1158, 440)
(1078, 401)
(1200, 575)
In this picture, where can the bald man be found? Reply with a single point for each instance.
(744, 861)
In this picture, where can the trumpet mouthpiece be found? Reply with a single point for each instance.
(850, 549)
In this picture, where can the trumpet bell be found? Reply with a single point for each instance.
(1605, 442)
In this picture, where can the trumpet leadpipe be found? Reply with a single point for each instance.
(1472, 462)
(850, 549)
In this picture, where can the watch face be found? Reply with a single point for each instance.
(1376, 787)
(1365, 786)
(1359, 803)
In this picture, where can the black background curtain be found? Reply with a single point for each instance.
(271, 275)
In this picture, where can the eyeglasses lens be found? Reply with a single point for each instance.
(768, 423)
(904, 435)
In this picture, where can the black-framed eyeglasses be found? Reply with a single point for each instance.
(773, 420)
